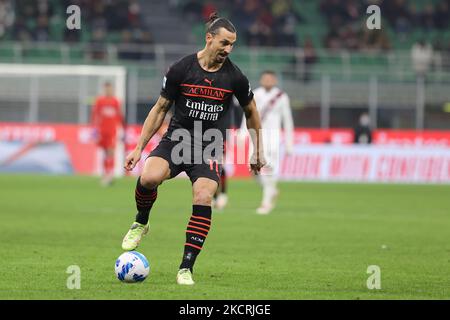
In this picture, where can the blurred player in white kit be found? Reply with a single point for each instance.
(275, 111)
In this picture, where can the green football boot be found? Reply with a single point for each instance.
(134, 236)
(184, 277)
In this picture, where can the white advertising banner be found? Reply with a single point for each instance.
(357, 163)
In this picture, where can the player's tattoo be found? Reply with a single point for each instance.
(145, 141)
(165, 107)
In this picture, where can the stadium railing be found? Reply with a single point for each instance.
(371, 80)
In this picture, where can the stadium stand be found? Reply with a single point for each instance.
(332, 25)
(324, 27)
(306, 41)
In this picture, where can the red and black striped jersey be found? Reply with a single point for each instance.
(203, 98)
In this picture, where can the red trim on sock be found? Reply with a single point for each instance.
(190, 231)
(201, 218)
(153, 194)
(144, 203)
(203, 224)
(206, 230)
(193, 246)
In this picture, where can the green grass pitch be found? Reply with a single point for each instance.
(317, 244)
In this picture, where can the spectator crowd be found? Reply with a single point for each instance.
(44, 21)
(272, 23)
(264, 22)
(346, 29)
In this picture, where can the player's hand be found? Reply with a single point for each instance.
(132, 159)
(257, 161)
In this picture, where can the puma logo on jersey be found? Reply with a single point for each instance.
(208, 81)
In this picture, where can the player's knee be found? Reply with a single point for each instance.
(150, 181)
(203, 196)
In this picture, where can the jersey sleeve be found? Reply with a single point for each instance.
(171, 82)
(242, 89)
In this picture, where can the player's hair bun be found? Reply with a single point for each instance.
(215, 23)
(212, 17)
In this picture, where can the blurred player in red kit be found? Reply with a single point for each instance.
(107, 120)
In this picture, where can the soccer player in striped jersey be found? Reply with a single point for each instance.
(201, 85)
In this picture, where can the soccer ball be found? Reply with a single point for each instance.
(132, 267)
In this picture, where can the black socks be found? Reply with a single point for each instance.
(144, 201)
(196, 233)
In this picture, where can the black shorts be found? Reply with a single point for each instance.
(211, 169)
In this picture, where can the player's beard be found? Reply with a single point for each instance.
(221, 57)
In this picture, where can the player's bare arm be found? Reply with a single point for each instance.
(152, 124)
(253, 120)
